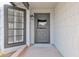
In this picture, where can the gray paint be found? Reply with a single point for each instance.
(42, 34)
(6, 45)
(26, 4)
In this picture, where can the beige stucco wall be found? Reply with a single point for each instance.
(66, 28)
(2, 24)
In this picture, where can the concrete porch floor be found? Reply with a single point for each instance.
(41, 50)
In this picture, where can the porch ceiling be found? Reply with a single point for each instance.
(42, 4)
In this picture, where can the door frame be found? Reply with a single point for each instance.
(35, 29)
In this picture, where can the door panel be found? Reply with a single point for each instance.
(42, 34)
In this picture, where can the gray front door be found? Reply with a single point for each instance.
(42, 27)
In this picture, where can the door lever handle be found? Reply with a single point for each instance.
(41, 28)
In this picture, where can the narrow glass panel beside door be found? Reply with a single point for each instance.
(10, 33)
(20, 32)
(19, 38)
(18, 26)
(10, 11)
(10, 26)
(10, 40)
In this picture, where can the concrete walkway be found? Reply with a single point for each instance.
(41, 50)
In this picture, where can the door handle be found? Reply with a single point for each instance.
(41, 28)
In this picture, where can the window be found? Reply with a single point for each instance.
(15, 26)
(41, 23)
